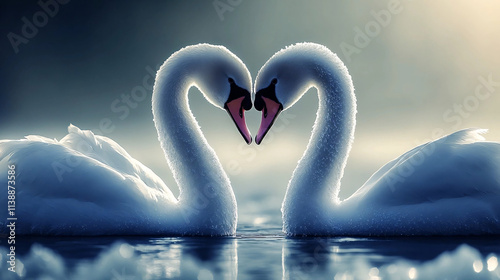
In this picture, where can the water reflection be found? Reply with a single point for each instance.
(362, 258)
(264, 253)
(161, 258)
(191, 258)
(302, 258)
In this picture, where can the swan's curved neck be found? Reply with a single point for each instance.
(316, 180)
(201, 179)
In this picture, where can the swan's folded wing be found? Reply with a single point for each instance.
(59, 190)
(384, 173)
(456, 166)
(57, 171)
(111, 154)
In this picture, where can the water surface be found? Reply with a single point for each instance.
(258, 252)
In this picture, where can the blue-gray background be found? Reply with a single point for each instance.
(415, 74)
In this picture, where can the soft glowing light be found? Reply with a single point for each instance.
(334, 249)
(20, 268)
(412, 273)
(335, 254)
(492, 263)
(478, 266)
(260, 220)
(126, 251)
(373, 273)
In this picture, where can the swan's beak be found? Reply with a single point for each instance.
(239, 101)
(267, 102)
(270, 111)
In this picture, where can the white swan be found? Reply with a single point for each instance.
(88, 185)
(450, 186)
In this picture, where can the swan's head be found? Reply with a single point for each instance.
(226, 83)
(285, 77)
(220, 75)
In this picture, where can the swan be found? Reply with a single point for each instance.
(450, 186)
(87, 184)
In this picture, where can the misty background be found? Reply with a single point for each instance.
(416, 66)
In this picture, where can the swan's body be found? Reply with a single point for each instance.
(450, 186)
(88, 185)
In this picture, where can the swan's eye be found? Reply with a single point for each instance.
(231, 81)
(274, 81)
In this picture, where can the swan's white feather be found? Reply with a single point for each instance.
(72, 190)
(111, 154)
(465, 136)
(400, 169)
(458, 166)
(40, 139)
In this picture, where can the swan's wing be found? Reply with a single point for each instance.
(384, 174)
(108, 152)
(59, 189)
(455, 166)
